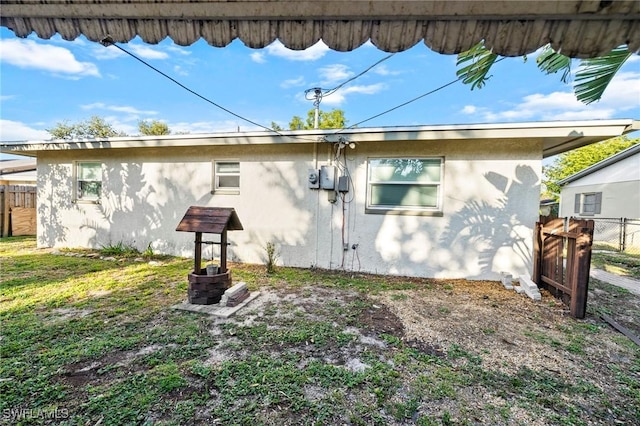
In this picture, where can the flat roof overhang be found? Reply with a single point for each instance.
(555, 137)
(576, 28)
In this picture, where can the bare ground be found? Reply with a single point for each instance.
(506, 332)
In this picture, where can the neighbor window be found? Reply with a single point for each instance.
(405, 186)
(226, 176)
(588, 203)
(88, 181)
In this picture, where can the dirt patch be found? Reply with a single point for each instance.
(459, 350)
(83, 373)
(616, 302)
(380, 320)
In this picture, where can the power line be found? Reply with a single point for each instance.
(330, 91)
(437, 89)
(317, 93)
(108, 41)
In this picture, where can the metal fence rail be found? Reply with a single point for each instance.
(619, 234)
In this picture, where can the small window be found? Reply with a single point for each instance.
(88, 181)
(226, 176)
(588, 203)
(405, 186)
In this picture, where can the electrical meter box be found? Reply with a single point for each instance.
(327, 177)
(313, 178)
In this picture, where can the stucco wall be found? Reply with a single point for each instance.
(490, 205)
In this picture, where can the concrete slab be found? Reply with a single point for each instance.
(216, 309)
(630, 284)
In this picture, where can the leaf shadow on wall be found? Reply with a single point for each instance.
(51, 230)
(487, 228)
(137, 213)
(286, 221)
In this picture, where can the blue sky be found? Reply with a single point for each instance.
(44, 82)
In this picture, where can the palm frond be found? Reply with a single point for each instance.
(550, 62)
(595, 74)
(479, 60)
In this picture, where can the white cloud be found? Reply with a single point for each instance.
(212, 127)
(179, 49)
(117, 108)
(106, 52)
(597, 113)
(312, 53)
(258, 57)
(294, 82)
(147, 52)
(57, 60)
(17, 131)
(334, 73)
(180, 71)
(384, 70)
(623, 94)
(339, 97)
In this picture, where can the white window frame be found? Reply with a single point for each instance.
(436, 210)
(78, 195)
(215, 185)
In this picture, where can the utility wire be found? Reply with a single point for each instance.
(108, 41)
(330, 91)
(317, 93)
(401, 105)
(437, 89)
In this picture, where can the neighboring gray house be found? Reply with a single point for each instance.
(607, 189)
(20, 171)
(447, 201)
(17, 196)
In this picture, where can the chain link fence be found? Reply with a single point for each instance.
(619, 234)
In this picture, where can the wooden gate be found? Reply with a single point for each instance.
(18, 210)
(562, 257)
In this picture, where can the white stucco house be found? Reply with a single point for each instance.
(429, 201)
(609, 188)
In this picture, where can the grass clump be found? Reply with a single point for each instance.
(121, 249)
(272, 257)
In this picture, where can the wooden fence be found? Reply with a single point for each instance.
(562, 258)
(17, 210)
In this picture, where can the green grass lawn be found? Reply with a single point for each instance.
(617, 263)
(91, 341)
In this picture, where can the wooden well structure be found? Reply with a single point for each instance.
(204, 288)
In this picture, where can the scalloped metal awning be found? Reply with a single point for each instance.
(511, 28)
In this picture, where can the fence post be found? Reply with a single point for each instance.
(623, 246)
(5, 213)
(537, 253)
(581, 265)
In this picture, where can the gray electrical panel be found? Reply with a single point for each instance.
(327, 177)
(343, 184)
